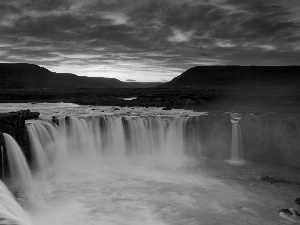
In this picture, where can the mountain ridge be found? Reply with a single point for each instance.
(236, 77)
(27, 76)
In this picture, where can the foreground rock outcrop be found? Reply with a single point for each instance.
(13, 123)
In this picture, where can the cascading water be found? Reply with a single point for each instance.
(236, 143)
(40, 157)
(19, 170)
(10, 211)
(133, 169)
(108, 136)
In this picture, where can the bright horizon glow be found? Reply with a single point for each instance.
(122, 74)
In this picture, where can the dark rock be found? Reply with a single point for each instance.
(296, 213)
(55, 120)
(276, 180)
(297, 201)
(27, 115)
(270, 179)
(67, 119)
(167, 108)
(286, 211)
(290, 212)
(13, 123)
(3, 157)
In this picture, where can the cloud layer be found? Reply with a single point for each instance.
(148, 40)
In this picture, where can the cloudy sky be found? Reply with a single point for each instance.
(148, 40)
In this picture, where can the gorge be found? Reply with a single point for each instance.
(127, 166)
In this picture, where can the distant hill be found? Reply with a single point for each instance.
(143, 84)
(23, 75)
(237, 77)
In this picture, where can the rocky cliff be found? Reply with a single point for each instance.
(13, 123)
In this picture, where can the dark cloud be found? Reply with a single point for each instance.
(148, 39)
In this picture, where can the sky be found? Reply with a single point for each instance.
(148, 40)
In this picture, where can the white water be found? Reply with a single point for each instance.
(236, 144)
(40, 158)
(10, 211)
(114, 138)
(133, 171)
(19, 170)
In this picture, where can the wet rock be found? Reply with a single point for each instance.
(27, 115)
(13, 123)
(297, 201)
(276, 180)
(3, 157)
(55, 120)
(67, 119)
(286, 211)
(291, 214)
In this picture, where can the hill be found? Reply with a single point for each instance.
(237, 77)
(28, 76)
(143, 84)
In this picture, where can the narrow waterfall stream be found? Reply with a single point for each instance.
(237, 157)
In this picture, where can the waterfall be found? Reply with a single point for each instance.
(108, 136)
(39, 155)
(236, 144)
(10, 211)
(19, 170)
(2, 160)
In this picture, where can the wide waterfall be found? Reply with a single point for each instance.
(20, 174)
(138, 167)
(109, 136)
